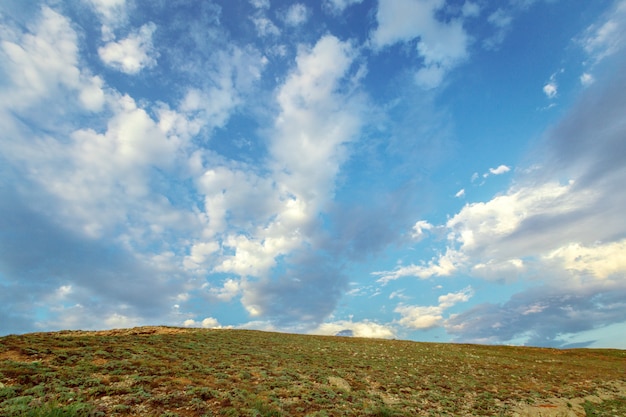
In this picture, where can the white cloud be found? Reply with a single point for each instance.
(358, 329)
(43, 62)
(260, 4)
(441, 266)
(442, 44)
(296, 14)
(550, 89)
(110, 11)
(586, 79)
(502, 169)
(200, 253)
(600, 261)
(608, 36)
(338, 6)
(132, 54)
(427, 317)
(265, 27)
(419, 229)
(207, 323)
(314, 120)
(460, 193)
(120, 321)
(508, 270)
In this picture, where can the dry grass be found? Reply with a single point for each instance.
(192, 372)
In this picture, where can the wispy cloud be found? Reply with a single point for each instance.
(441, 44)
(338, 6)
(296, 14)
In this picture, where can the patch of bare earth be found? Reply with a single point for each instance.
(569, 407)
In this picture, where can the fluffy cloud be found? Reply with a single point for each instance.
(442, 45)
(207, 323)
(420, 228)
(316, 118)
(99, 192)
(427, 317)
(550, 89)
(355, 328)
(43, 63)
(502, 169)
(133, 53)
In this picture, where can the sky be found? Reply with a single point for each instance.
(430, 170)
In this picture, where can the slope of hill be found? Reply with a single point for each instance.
(164, 371)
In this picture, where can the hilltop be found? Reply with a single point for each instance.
(165, 371)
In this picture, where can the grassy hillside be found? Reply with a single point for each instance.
(194, 372)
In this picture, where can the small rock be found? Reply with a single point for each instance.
(339, 383)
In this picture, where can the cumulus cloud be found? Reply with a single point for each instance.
(42, 65)
(363, 328)
(427, 317)
(95, 182)
(133, 53)
(315, 119)
(207, 323)
(442, 45)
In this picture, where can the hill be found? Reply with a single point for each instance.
(164, 371)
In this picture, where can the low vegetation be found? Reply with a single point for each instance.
(161, 371)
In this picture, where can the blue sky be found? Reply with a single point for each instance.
(432, 170)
